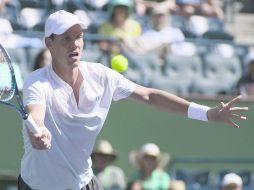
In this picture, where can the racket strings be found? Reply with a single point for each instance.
(7, 89)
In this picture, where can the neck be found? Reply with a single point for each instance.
(70, 76)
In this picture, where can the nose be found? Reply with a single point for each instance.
(75, 43)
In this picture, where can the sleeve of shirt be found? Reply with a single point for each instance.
(33, 93)
(121, 86)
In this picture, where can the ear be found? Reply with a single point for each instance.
(48, 42)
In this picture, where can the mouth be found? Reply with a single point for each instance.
(74, 55)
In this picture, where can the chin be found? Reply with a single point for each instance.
(75, 63)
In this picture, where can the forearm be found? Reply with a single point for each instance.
(161, 100)
(168, 102)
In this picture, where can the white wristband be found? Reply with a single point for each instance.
(197, 111)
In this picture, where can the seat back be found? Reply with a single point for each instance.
(178, 66)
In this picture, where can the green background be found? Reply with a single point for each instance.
(131, 124)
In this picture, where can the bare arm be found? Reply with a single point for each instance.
(162, 100)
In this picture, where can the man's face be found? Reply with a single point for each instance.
(120, 14)
(149, 163)
(66, 49)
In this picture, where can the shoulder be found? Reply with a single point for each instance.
(159, 173)
(92, 67)
(96, 70)
(36, 76)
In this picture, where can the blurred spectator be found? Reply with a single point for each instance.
(144, 7)
(135, 185)
(42, 59)
(231, 181)
(110, 176)
(207, 8)
(97, 4)
(177, 185)
(3, 4)
(159, 35)
(245, 85)
(150, 163)
(119, 25)
(9, 10)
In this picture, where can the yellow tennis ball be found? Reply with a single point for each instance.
(119, 63)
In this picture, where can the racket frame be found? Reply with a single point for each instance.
(21, 109)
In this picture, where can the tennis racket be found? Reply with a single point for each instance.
(9, 90)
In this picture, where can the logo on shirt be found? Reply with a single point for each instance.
(97, 98)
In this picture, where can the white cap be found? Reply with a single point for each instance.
(60, 21)
(232, 178)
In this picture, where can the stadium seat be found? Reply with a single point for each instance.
(182, 23)
(148, 65)
(34, 3)
(199, 24)
(209, 28)
(178, 66)
(133, 75)
(195, 179)
(18, 55)
(218, 35)
(180, 72)
(95, 55)
(220, 75)
(179, 86)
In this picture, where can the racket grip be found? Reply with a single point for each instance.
(32, 126)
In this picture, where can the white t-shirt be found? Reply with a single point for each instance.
(74, 127)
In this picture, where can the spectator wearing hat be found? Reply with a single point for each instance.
(157, 36)
(119, 25)
(232, 181)
(245, 85)
(150, 162)
(110, 176)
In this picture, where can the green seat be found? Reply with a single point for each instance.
(220, 75)
(147, 64)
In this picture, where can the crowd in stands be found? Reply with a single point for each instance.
(150, 172)
(183, 43)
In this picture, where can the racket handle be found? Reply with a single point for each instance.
(32, 126)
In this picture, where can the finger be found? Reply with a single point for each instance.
(236, 109)
(43, 145)
(234, 100)
(239, 117)
(233, 124)
(222, 105)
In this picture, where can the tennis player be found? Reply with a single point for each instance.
(70, 100)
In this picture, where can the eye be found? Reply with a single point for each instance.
(66, 38)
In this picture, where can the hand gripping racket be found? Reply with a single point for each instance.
(9, 90)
